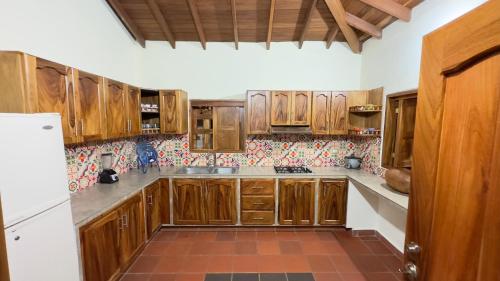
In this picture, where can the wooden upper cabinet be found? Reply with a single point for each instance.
(221, 201)
(321, 113)
(153, 201)
(100, 248)
(188, 201)
(338, 114)
(116, 118)
(173, 112)
(132, 228)
(259, 112)
(90, 98)
(281, 104)
(133, 102)
(332, 202)
(301, 108)
(228, 131)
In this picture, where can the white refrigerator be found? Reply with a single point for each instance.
(39, 231)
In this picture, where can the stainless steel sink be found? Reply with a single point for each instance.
(207, 170)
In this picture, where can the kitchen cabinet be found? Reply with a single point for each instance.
(281, 104)
(90, 101)
(259, 112)
(116, 118)
(301, 108)
(132, 228)
(365, 114)
(173, 112)
(227, 129)
(332, 201)
(153, 208)
(133, 103)
(291, 108)
(165, 201)
(321, 103)
(296, 202)
(339, 114)
(198, 202)
(257, 201)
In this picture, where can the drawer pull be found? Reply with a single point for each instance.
(258, 203)
(258, 219)
(257, 187)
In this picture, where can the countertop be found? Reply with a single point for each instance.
(96, 200)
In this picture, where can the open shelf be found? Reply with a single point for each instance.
(365, 113)
(150, 112)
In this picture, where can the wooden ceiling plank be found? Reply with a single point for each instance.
(235, 23)
(363, 25)
(127, 21)
(338, 12)
(270, 24)
(197, 22)
(331, 36)
(160, 19)
(391, 7)
(306, 24)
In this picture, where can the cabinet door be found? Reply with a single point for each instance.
(55, 93)
(188, 201)
(338, 114)
(305, 202)
(132, 228)
(91, 100)
(259, 112)
(153, 208)
(100, 248)
(301, 108)
(227, 130)
(221, 201)
(169, 121)
(133, 111)
(115, 109)
(287, 201)
(165, 201)
(281, 103)
(321, 113)
(332, 202)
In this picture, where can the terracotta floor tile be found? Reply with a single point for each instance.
(296, 264)
(355, 246)
(321, 263)
(380, 277)
(169, 264)
(290, 248)
(162, 277)
(327, 277)
(221, 264)
(186, 235)
(352, 277)
(190, 277)
(266, 236)
(286, 235)
(225, 236)
(268, 248)
(155, 248)
(200, 248)
(195, 264)
(245, 263)
(165, 236)
(391, 262)
(245, 248)
(144, 264)
(206, 236)
(246, 235)
(367, 263)
(315, 248)
(271, 264)
(136, 277)
(221, 248)
(308, 236)
(344, 264)
(326, 236)
(178, 249)
(334, 248)
(377, 247)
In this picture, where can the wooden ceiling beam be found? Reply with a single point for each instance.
(235, 23)
(390, 7)
(160, 19)
(270, 24)
(127, 22)
(306, 24)
(363, 25)
(338, 12)
(197, 22)
(331, 36)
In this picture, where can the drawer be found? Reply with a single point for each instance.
(257, 202)
(257, 217)
(257, 187)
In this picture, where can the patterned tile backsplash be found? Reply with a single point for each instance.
(276, 150)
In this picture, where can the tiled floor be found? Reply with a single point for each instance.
(183, 254)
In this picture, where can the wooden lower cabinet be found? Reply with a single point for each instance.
(165, 201)
(332, 202)
(257, 201)
(296, 202)
(132, 228)
(198, 202)
(153, 207)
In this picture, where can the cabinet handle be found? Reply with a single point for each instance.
(82, 127)
(258, 218)
(120, 223)
(257, 187)
(125, 221)
(150, 199)
(258, 203)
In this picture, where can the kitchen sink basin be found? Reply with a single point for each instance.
(207, 170)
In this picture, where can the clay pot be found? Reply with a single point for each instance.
(398, 179)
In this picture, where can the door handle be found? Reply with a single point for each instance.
(410, 271)
(413, 250)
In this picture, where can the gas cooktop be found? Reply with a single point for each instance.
(292, 170)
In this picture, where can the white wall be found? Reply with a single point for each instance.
(394, 61)
(83, 34)
(221, 71)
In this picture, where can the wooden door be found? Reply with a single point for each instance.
(100, 248)
(339, 114)
(301, 108)
(165, 201)
(281, 104)
(332, 202)
(321, 113)
(455, 196)
(220, 201)
(169, 107)
(55, 93)
(132, 228)
(91, 103)
(188, 202)
(305, 202)
(287, 202)
(153, 200)
(227, 129)
(115, 109)
(259, 112)
(133, 111)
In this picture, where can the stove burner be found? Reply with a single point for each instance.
(292, 170)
